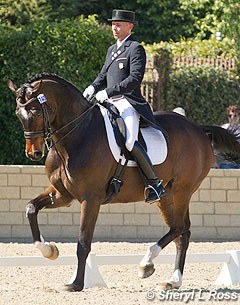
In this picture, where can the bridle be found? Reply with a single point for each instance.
(47, 132)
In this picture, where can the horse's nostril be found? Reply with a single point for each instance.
(37, 155)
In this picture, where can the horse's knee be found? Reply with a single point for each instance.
(30, 209)
(182, 241)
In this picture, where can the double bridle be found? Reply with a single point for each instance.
(47, 131)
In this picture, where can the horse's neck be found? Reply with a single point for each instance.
(74, 111)
(71, 107)
(67, 97)
(88, 129)
(70, 104)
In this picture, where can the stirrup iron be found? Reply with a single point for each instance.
(152, 194)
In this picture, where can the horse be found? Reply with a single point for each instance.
(79, 165)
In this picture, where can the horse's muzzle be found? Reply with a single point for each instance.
(37, 155)
(35, 151)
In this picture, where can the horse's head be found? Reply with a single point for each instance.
(34, 113)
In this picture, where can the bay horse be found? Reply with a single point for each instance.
(79, 165)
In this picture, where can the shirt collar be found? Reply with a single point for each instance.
(119, 43)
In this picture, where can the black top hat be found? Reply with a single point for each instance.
(123, 15)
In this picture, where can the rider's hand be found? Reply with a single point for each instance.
(102, 96)
(88, 92)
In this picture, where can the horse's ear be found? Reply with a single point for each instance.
(37, 86)
(12, 86)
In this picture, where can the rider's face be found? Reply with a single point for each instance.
(121, 29)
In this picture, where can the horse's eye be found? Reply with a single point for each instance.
(36, 112)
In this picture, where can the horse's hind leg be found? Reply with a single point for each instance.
(166, 207)
(174, 211)
(182, 243)
(50, 198)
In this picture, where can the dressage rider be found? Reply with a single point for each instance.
(119, 82)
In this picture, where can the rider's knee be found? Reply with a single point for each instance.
(129, 144)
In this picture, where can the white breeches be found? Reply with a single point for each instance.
(131, 119)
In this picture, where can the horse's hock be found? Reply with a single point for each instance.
(215, 210)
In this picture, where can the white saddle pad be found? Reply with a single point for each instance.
(155, 141)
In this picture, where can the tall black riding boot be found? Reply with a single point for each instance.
(155, 189)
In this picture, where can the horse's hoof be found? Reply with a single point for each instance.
(146, 271)
(169, 285)
(54, 251)
(72, 288)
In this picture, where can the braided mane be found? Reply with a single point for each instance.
(52, 76)
(40, 76)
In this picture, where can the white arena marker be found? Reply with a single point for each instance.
(229, 275)
(35, 261)
(93, 276)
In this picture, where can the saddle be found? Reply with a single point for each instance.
(150, 138)
(119, 129)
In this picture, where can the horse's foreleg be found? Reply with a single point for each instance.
(89, 214)
(50, 198)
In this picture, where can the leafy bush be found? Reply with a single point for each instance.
(195, 48)
(74, 49)
(204, 93)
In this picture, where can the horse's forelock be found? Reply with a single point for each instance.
(23, 89)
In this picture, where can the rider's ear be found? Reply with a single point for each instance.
(12, 86)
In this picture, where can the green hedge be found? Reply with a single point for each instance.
(74, 49)
(204, 93)
(195, 48)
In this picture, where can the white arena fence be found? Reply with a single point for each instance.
(229, 274)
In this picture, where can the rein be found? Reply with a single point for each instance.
(47, 132)
(81, 117)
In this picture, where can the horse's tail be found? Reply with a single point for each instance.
(223, 141)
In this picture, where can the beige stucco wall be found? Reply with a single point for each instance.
(215, 210)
